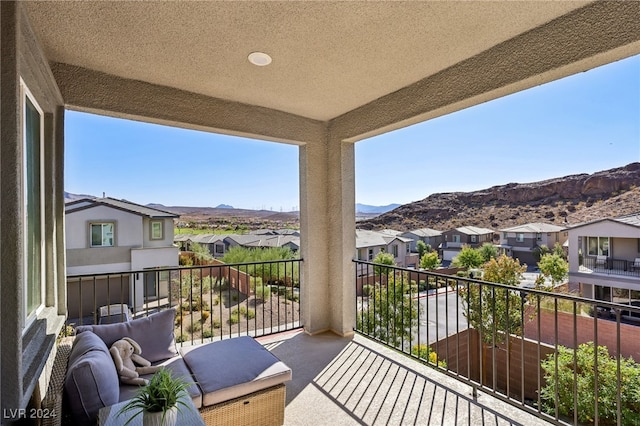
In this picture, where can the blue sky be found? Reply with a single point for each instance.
(581, 124)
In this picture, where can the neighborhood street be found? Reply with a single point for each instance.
(440, 316)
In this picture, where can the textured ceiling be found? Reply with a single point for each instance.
(329, 58)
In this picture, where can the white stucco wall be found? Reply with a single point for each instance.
(128, 227)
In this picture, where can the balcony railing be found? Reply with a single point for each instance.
(212, 301)
(610, 266)
(531, 348)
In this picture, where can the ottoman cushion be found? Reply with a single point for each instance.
(233, 368)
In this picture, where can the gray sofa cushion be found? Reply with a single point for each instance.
(233, 368)
(91, 382)
(154, 334)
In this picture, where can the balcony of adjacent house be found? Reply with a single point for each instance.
(612, 256)
(414, 359)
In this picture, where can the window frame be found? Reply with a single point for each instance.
(152, 229)
(519, 237)
(102, 222)
(30, 262)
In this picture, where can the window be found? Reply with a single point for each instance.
(102, 234)
(33, 230)
(598, 246)
(394, 250)
(408, 249)
(370, 254)
(539, 236)
(157, 230)
(519, 238)
(504, 235)
(219, 249)
(456, 238)
(474, 238)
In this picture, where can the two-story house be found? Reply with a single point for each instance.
(105, 235)
(604, 259)
(370, 243)
(455, 239)
(521, 241)
(428, 236)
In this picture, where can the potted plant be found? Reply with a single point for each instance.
(159, 401)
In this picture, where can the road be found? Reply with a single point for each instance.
(439, 318)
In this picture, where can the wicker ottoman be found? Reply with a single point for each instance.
(241, 382)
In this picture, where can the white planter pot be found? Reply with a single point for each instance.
(155, 418)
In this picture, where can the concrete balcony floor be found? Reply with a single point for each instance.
(356, 381)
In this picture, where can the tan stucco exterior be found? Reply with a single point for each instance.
(342, 72)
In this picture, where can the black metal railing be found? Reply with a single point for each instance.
(611, 266)
(532, 348)
(211, 301)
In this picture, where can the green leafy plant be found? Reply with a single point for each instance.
(468, 258)
(430, 261)
(161, 394)
(553, 266)
(391, 314)
(263, 292)
(383, 258)
(582, 376)
(494, 311)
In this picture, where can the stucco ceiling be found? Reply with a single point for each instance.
(328, 57)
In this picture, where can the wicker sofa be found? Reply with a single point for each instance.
(235, 381)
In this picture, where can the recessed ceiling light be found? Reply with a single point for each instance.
(259, 58)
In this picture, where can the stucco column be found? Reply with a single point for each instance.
(327, 221)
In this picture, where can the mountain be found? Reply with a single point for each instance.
(562, 201)
(365, 208)
(224, 206)
(72, 197)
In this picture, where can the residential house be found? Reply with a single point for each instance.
(604, 259)
(370, 243)
(219, 244)
(110, 235)
(455, 239)
(520, 242)
(428, 236)
(78, 55)
(263, 241)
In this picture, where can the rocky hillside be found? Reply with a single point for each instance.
(562, 201)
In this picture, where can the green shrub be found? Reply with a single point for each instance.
(234, 318)
(250, 314)
(181, 338)
(216, 323)
(263, 292)
(207, 334)
(608, 389)
(193, 327)
(422, 286)
(367, 290)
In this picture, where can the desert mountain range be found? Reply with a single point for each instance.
(562, 201)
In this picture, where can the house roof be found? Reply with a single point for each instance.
(250, 240)
(124, 205)
(473, 230)
(534, 228)
(632, 219)
(424, 232)
(366, 238)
